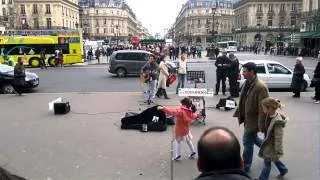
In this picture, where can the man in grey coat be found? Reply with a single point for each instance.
(250, 111)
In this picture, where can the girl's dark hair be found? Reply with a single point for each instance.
(186, 102)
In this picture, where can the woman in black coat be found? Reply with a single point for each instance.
(297, 78)
(19, 76)
(317, 83)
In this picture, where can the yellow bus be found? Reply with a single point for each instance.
(29, 44)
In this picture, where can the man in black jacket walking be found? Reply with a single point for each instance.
(219, 156)
(232, 74)
(222, 65)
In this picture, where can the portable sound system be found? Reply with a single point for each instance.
(61, 107)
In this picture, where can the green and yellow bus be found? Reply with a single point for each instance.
(29, 46)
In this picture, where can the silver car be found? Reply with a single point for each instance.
(274, 74)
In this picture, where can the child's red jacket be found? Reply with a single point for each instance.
(183, 117)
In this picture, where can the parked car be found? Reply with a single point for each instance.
(7, 79)
(274, 74)
(125, 62)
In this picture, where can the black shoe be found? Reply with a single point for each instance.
(166, 97)
(149, 102)
(215, 94)
(295, 96)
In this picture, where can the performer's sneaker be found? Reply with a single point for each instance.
(177, 158)
(192, 155)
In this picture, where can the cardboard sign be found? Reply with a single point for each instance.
(230, 104)
(195, 92)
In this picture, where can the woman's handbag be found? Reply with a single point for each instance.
(314, 81)
(171, 79)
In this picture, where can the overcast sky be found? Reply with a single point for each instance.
(156, 15)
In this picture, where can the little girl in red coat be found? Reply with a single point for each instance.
(184, 115)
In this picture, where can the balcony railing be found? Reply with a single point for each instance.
(265, 29)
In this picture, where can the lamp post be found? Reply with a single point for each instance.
(213, 13)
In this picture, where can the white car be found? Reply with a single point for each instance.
(274, 74)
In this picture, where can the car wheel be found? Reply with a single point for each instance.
(121, 72)
(304, 86)
(7, 89)
(34, 62)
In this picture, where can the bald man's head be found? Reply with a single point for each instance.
(218, 149)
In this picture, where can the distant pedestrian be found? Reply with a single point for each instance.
(184, 115)
(316, 83)
(163, 76)
(297, 78)
(43, 59)
(272, 146)
(219, 156)
(221, 72)
(182, 72)
(19, 76)
(98, 53)
(249, 111)
(233, 74)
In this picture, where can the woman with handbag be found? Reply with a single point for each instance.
(315, 82)
(163, 76)
(297, 78)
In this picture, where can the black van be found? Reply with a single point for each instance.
(124, 62)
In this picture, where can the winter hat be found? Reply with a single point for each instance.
(299, 58)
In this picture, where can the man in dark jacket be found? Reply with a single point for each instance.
(150, 72)
(232, 74)
(221, 64)
(219, 156)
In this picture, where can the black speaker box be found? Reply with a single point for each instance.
(61, 107)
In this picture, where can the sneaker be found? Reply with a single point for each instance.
(177, 158)
(283, 174)
(317, 102)
(192, 155)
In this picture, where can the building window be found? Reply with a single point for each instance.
(293, 21)
(10, 1)
(281, 21)
(49, 25)
(97, 11)
(35, 9)
(97, 22)
(104, 30)
(269, 21)
(105, 21)
(22, 9)
(48, 10)
(63, 23)
(11, 11)
(293, 7)
(62, 10)
(3, 1)
(66, 12)
(310, 5)
(259, 8)
(97, 30)
(36, 23)
(4, 13)
(270, 9)
(282, 7)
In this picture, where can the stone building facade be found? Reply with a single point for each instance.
(266, 23)
(108, 19)
(194, 23)
(39, 14)
(310, 25)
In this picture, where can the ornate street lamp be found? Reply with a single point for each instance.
(214, 8)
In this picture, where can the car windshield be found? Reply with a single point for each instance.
(5, 68)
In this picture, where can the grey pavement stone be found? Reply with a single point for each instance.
(88, 144)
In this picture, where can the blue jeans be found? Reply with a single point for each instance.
(249, 140)
(264, 175)
(150, 89)
(181, 81)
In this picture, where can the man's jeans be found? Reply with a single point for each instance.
(249, 140)
(150, 89)
(267, 168)
(181, 82)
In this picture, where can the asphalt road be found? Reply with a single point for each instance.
(95, 78)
